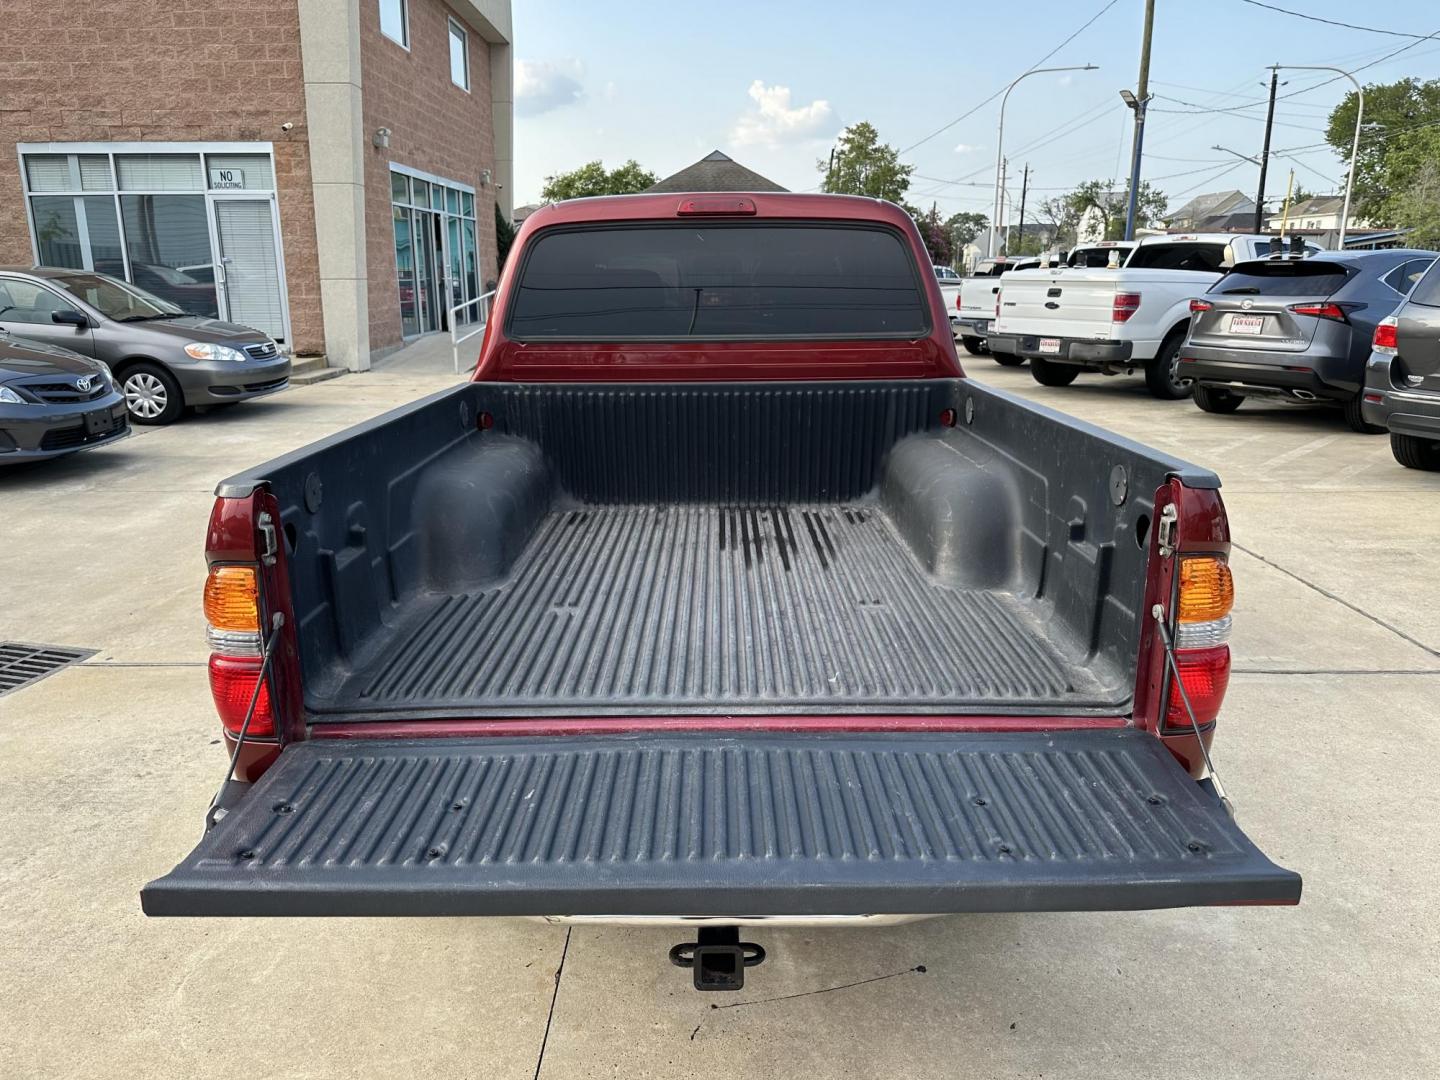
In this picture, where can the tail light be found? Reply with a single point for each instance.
(232, 616)
(957, 300)
(1125, 305)
(1386, 338)
(997, 303)
(232, 685)
(1320, 311)
(1197, 306)
(1202, 633)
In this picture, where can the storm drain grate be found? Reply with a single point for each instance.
(22, 664)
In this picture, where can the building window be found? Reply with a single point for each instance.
(459, 56)
(436, 257)
(395, 21)
(192, 223)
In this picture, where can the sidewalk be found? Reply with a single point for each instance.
(429, 354)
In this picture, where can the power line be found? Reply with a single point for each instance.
(1333, 22)
(992, 97)
(1227, 170)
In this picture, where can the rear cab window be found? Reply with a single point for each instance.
(756, 281)
(1182, 256)
(1310, 277)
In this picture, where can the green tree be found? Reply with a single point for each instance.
(936, 236)
(592, 179)
(965, 227)
(504, 237)
(1149, 207)
(1391, 110)
(863, 165)
(1061, 213)
(1112, 204)
(1412, 174)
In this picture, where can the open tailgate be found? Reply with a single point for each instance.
(739, 823)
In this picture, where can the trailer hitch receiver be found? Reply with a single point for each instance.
(718, 959)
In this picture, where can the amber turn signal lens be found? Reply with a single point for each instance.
(1207, 591)
(231, 598)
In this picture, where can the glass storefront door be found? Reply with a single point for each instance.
(249, 282)
(427, 270)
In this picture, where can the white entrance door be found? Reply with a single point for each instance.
(249, 282)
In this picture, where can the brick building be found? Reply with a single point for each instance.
(325, 170)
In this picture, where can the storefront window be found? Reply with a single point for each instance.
(405, 272)
(57, 233)
(168, 240)
(159, 172)
(239, 172)
(160, 219)
(435, 255)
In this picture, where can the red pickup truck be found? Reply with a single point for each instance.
(719, 597)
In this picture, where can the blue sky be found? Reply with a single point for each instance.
(772, 84)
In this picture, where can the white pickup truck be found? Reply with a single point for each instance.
(1071, 319)
(972, 304)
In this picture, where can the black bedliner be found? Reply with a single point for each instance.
(652, 549)
(723, 824)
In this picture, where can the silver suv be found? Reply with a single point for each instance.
(163, 358)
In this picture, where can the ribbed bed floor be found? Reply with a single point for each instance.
(642, 609)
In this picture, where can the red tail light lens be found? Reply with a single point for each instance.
(232, 684)
(957, 299)
(1126, 304)
(1386, 339)
(1205, 674)
(1321, 311)
(1197, 306)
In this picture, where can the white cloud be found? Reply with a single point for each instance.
(543, 85)
(774, 121)
(965, 148)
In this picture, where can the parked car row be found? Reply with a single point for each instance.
(1221, 318)
(83, 355)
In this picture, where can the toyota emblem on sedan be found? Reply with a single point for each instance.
(83, 384)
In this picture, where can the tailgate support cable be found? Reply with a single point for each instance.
(1158, 612)
(214, 812)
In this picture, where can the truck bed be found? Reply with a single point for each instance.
(772, 608)
(717, 549)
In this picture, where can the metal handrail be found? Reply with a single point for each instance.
(477, 328)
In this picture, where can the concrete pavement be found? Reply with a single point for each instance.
(1326, 744)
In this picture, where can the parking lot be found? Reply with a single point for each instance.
(1326, 743)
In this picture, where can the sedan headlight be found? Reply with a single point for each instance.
(204, 350)
(10, 397)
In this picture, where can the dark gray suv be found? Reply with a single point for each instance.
(1402, 381)
(1296, 329)
(163, 358)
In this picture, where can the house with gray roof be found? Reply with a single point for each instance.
(715, 172)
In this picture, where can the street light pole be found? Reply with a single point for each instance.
(1000, 147)
(1354, 144)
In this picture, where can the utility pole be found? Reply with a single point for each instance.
(999, 207)
(1265, 153)
(1024, 186)
(1138, 103)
